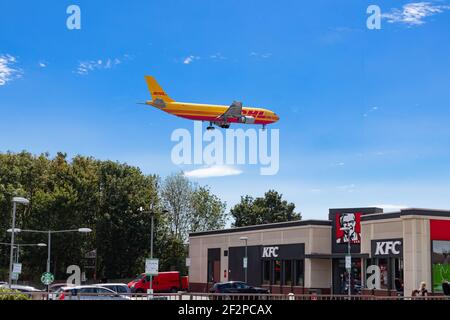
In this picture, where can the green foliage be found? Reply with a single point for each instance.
(8, 294)
(104, 196)
(191, 207)
(269, 209)
(208, 211)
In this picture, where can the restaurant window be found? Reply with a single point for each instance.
(398, 275)
(277, 272)
(288, 272)
(440, 260)
(266, 270)
(299, 273)
(384, 273)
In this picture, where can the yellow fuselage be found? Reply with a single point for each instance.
(211, 112)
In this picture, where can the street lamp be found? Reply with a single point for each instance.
(245, 259)
(49, 233)
(17, 246)
(15, 201)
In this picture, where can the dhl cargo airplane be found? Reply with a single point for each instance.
(218, 115)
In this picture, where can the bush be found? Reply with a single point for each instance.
(8, 294)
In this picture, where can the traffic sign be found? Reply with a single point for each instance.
(47, 278)
(151, 267)
(245, 263)
(348, 262)
(17, 268)
(15, 276)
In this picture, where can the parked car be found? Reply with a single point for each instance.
(54, 288)
(170, 281)
(236, 287)
(120, 288)
(25, 289)
(93, 292)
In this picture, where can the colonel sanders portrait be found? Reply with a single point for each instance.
(347, 223)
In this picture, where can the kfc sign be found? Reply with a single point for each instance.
(270, 252)
(348, 228)
(387, 248)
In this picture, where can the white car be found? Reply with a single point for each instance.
(93, 292)
(120, 288)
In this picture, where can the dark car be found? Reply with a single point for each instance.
(236, 287)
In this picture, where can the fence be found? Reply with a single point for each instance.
(214, 296)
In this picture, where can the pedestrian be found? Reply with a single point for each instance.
(422, 292)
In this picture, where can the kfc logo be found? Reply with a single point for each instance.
(348, 228)
(270, 252)
(387, 247)
(391, 247)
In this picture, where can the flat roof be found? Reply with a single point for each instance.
(287, 224)
(407, 212)
(370, 216)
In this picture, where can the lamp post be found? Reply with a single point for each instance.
(152, 218)
(17, 247)
(246, 258)
(49, 234)
(15, 201)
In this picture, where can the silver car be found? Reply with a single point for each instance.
(94, 292)
(120, 288)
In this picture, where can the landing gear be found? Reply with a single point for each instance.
(210, 127)
(264, 127)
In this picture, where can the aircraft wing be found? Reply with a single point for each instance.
(234, 111)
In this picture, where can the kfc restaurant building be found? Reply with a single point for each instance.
(408, 247)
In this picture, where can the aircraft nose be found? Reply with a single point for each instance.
(276, 117)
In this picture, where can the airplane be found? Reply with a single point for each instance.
(219, 115)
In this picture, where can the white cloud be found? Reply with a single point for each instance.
(390, 206)
(260, 55)
(217, 56)
(190, 59)
(373, 109)
(7, 71)
(214, 171)
(42, 64)
(84, 67)
(414, 13)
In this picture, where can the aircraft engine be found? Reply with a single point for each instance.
(247, 119)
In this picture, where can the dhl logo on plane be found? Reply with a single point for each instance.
(219, 115)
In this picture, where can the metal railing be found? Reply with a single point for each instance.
(214, 296)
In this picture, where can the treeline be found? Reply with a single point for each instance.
(106, 196)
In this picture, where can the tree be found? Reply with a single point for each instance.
(176, 196)
(208, 211)
(104, 196)
(269, 209)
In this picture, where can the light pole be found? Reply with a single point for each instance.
(17, 247)
(49, 233)
(246, 258)
(152, 218)
(15, 201)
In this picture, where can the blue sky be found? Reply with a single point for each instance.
(364, 113)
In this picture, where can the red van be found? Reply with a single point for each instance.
(164, 282)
